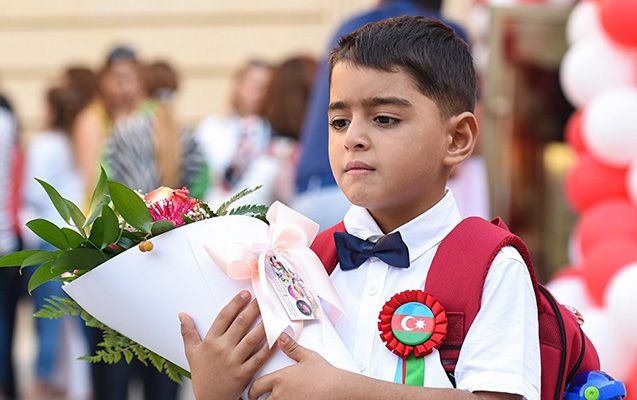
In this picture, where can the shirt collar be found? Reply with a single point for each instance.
(420, 234)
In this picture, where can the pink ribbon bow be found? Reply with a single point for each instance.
(290, 236)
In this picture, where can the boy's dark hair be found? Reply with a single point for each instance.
(437, 59)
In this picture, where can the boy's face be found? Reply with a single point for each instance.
(388, 142)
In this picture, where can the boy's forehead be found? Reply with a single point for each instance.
(353, 82)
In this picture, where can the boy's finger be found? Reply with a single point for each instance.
(189, 332)
(249, 343)
(229, 313)
(259, 358)
(261, 386)
(292, 349)
(242, 323)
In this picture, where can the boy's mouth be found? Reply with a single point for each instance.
(358, 167)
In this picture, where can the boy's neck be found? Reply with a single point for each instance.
(391, 218)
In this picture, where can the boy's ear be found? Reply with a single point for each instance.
(462, 135)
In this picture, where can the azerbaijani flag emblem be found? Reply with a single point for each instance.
(413, 323)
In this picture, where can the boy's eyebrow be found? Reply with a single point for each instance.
(373, 102)
(384, 101)
(337, 105)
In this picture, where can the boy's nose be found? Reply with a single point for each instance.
(356, 137)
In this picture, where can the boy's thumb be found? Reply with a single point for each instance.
(292, 349)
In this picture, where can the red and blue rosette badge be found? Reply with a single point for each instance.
(412, 323)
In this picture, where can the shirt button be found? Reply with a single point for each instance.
(362, 366)
(372, 290)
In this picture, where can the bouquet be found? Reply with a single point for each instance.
(118, 219)
(134, 262)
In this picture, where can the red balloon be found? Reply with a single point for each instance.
(604, 260)
(612, 218)
(618, 19)
(590, 182)
(573, 132)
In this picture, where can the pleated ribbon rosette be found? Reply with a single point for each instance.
(289, 237)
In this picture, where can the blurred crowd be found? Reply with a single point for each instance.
(122, 118)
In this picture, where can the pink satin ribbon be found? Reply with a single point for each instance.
(290, 236)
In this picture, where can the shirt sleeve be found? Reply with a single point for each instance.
(501, 352)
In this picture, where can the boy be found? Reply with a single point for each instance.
(400, 116)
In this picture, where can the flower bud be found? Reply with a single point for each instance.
(145, 246)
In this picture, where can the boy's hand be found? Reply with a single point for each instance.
(311, 378)
(225, 361)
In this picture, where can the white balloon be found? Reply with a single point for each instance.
(616, 355)
(621, 299)
(593, 66)
(610, 126)
(631, 182)
(583, 22)
(571, 291)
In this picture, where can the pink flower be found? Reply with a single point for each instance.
(170, 204)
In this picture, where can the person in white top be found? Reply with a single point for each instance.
(401, 117)
(232, 140)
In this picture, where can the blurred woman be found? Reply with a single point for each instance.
(231, 140)
(117, 94)
(283, 106)
(148, 150)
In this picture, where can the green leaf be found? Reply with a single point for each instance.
(74, 238)
(160, 227)
(80, 258)
(97, 232)
(128, 355)
(157, 361)
(110, 225)
(77, 216)
(100, 197)
(42, 275)
(16, 259)
(50, 233)
(223, 209)
(39, 258)
(57, 200)
(251, 209)
(130, 206)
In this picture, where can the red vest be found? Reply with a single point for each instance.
(460, 265)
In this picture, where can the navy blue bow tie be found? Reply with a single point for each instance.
(353, 252)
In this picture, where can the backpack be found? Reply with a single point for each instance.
(473, 244)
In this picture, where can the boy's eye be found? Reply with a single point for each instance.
(339, 123)
(386, 120)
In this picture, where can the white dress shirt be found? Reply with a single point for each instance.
(501, 351)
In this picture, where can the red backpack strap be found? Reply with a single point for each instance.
(325, 248)
(460, 265)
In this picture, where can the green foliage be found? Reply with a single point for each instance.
(49, 232)
(223, 209)
(111, 227)
(160, 227)
(114, 347)
(16, 259)
(59, 202)
(100, 197)
(250, 209)
(74, 238)
(130, 206)
(40, 257)
(81, 258)
(42, 275)
(77, 217)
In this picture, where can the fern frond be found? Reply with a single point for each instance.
(249, 209)
(58, 307)
(223, 209)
